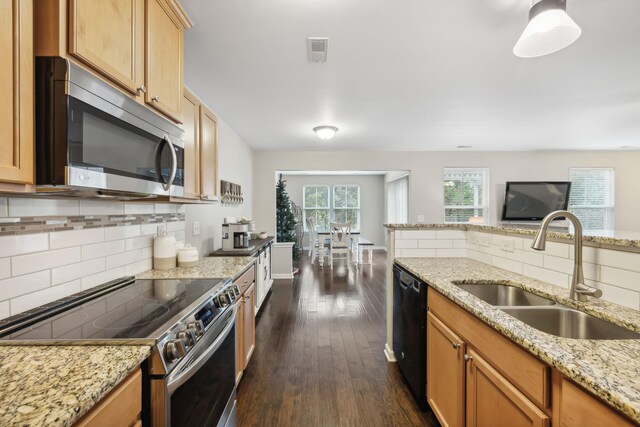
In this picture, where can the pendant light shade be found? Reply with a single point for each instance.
(325, 132)
(549, 30)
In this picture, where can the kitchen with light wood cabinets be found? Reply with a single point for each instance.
(201, 183)
(138, 45)
(17, 101)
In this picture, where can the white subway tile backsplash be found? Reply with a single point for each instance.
(435, 244)
(621, 278)
(66, 239)
(25, 264)
(175, 226)
(409, 244)
(531, 258)
(162, 208)
(139, 208)
(553, 277)
(102, 277)
(152, 229)
(479, 256)
(114, 233)
(417, 234)
(138, 243)
(617, 295)
(507, 264)
(123, 258)
(76, 271)
(21, 285)
(27, 302)
(418, 253)
(146, 252)
(551, 248)
(138, 267)
(451, 253)
(23, 244)
(618, 259)
(4, 211)
(459, 244)
(5, 269)
(19, 207)
(101, 207)
(102, 249)
(5, 310)
(451, 234)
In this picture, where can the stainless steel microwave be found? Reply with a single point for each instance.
(94, 141)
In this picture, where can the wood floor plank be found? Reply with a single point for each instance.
(319, 358)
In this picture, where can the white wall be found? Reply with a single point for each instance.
(426, 194)
(236, 165)
(372, 194)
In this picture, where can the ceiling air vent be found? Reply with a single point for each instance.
(318, 48)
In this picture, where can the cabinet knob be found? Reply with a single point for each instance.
(455, 345)
(156, 99)
(467, 357)
(142, 89)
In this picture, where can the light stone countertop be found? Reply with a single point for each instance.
(613, 239)
(208, 268)
(608, 368)
(56, 385)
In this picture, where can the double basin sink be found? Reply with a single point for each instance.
(546, 315)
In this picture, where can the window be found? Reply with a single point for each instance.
(315, 205)
(466, 195)
(592, 197)
(398, 201)
(346, 205)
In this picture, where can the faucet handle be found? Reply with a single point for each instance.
(584, 290)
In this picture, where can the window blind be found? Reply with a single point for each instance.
(398, 201)
(592, 197)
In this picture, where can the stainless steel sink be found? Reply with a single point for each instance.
(504, 295)
(568, 323)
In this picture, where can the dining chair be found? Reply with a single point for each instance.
(340, 242)
(313, 239)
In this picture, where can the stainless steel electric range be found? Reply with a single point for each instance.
(189, 380)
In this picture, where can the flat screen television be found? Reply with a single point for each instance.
(532, 200)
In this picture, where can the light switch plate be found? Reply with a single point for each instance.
(196, 228)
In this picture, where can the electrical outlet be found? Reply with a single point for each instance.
(420, 218)
(196, 228)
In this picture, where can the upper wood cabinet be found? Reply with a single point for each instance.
(191, 125)
(109, 36)
(208, 154)
(164, 59)
(136, 44)
(17, 89)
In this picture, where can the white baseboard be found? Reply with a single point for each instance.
(282, 276)
(388, 352)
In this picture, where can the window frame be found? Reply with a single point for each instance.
(608, 208)
(333, 203)
(304, 203)
(485, 206)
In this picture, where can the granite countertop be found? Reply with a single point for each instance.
(608, 368)
(256, 243)
(208, 268)
(629, 240)
(56, 385)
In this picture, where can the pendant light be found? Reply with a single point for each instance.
(325, 132)
(549, 30)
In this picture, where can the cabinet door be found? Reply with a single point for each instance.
(493, 401)
(191, 124)
(16, 87)
(249, 342)
(208, 154)
(239, 339)
(109, 37)
(445, 373)
(164, 59)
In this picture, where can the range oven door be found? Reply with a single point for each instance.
(201, 390)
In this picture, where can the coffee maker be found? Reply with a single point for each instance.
(235, 237)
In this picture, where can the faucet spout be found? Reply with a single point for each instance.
(578, 290)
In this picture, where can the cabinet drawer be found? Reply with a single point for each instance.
(528, 374)
(121, 407)
(246, 279)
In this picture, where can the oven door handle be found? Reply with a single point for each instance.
(174, 383)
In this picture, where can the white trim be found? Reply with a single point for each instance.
(388, 352)
(486, 212)
(282, 276)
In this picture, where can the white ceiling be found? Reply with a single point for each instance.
(415, 74)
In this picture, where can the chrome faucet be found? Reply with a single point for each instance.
(578, 291)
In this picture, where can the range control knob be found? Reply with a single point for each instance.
(197, 327)
(188, 336)
(222, 300)
(175, 350)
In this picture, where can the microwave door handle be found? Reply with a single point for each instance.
(174, 383)
(174, 164)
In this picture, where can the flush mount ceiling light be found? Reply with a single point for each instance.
(325, 132)
(549, 30)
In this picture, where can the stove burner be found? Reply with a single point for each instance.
(125, 318)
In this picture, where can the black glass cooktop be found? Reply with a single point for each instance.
(133, 311)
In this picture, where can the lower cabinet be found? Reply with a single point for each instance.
(477, 377)
(249, 339)
(120, 408)
(245, 321)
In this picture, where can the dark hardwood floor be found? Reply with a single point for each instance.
(319, 357)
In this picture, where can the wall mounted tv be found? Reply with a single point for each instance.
(533, 200)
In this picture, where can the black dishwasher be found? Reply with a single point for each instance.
(410, 331)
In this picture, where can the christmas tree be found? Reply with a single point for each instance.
(285, 219)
